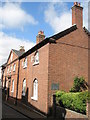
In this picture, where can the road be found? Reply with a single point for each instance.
(8, 112)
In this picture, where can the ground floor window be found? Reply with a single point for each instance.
(35, 90)
(3, 83)
(12, 86)
(7, 84)
(24, 87)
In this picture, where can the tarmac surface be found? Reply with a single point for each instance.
(8, 112)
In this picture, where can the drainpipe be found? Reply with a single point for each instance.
(17, 82)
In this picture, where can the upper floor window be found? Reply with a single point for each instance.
(14, 67)
(10, 69)
(36, 58)
(35, 90)
(12, 86)
(7, 70)
(11, 56)
(25, 63)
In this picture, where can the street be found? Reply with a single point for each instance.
(8, 112)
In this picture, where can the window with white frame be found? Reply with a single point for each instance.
(25, 63)
(11, 56)
(35, 90)
(12, 86)
(24, 88)
(3, 83)
(7, 70)
(36, 58)
(10, 69)
(7, 84)
(14, 67)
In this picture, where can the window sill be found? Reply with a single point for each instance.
(24, 67)
(35, 63)
(12, 91)
(33, 98)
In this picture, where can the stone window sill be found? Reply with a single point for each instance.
(35, 63)
(24, 67)
(33, 98)
(12, 91)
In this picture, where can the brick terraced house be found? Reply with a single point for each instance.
(50, 65)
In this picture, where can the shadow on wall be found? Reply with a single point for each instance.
(57, 113)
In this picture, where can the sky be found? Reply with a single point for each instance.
(20, 22)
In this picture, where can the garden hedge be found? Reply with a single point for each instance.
(74, 101)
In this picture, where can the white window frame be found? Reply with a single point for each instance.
(3, 83)
(7, 70)
(36, 58)
(35, 90)
(10, 69)
(12, 86)
(24, 88)
(11, 56)
(7, 84)
(14, 67)
(25, 63)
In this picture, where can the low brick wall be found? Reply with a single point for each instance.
(88, 109)
(66, 113)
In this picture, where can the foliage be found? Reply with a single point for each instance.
(73, 101)
(78, 84)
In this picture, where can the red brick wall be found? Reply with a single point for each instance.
(40, 72)
(13, 75)
(68, 60)
(77, 16)
(14, 57)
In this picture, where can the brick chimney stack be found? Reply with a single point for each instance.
(40, 37)
(77, 15)
(22, 49)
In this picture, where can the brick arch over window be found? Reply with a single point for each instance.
(24, 87)
(35, 89)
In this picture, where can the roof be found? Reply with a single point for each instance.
(51, 39)
(4, 65)
(19, 53)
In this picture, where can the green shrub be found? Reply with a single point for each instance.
(73, 101)
(78, 84)
(58, 95)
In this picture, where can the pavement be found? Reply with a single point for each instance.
(9, 112)
(24, 109)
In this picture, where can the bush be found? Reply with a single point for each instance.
(78, 84)
(73, 101)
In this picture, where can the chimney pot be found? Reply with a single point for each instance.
(75, 3)
(78, 4)
(22, 49)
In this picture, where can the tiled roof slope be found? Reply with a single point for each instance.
(19, 53)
